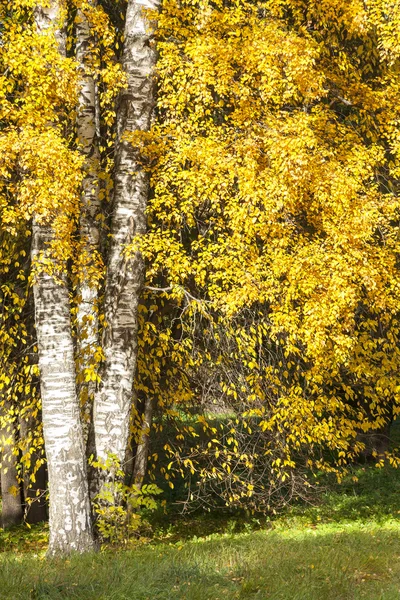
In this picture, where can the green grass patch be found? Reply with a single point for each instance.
(346, 546)
(332, 562)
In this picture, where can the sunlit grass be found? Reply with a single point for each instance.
(333, 562)
(344, 547)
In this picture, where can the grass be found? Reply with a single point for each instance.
(346, 548)
(332, 562)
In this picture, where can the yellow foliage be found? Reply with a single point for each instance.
(274, 229)
(272, 249)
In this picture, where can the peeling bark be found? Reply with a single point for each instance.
(125, 275)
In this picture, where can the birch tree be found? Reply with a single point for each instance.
(88, 268)
(11, 509)
(142, 451)
(47, 191)
(70, 519)
(124, 279)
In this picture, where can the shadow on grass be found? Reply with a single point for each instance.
(374, 497)
(331, 562)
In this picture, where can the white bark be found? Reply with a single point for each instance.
(49, 16)
(87, 316)
(124, 275)
(70, 519)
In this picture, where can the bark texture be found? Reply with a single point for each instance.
(87, 317)
(70, 520)
(125, 275)
(47, 16)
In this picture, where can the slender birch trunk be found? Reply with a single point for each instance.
(125, 275)
(142, 452)
(70, 519)
(29, 421)
(87, 317)
(34, 491)
(12, 512)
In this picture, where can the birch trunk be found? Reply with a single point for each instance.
(124, 275)
(142, 451)
(87, 317)
(12, 512)
(70, 519)
(29, 421)
(34, 491)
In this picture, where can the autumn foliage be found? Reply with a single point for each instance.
(274, 165)
(269, 321)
